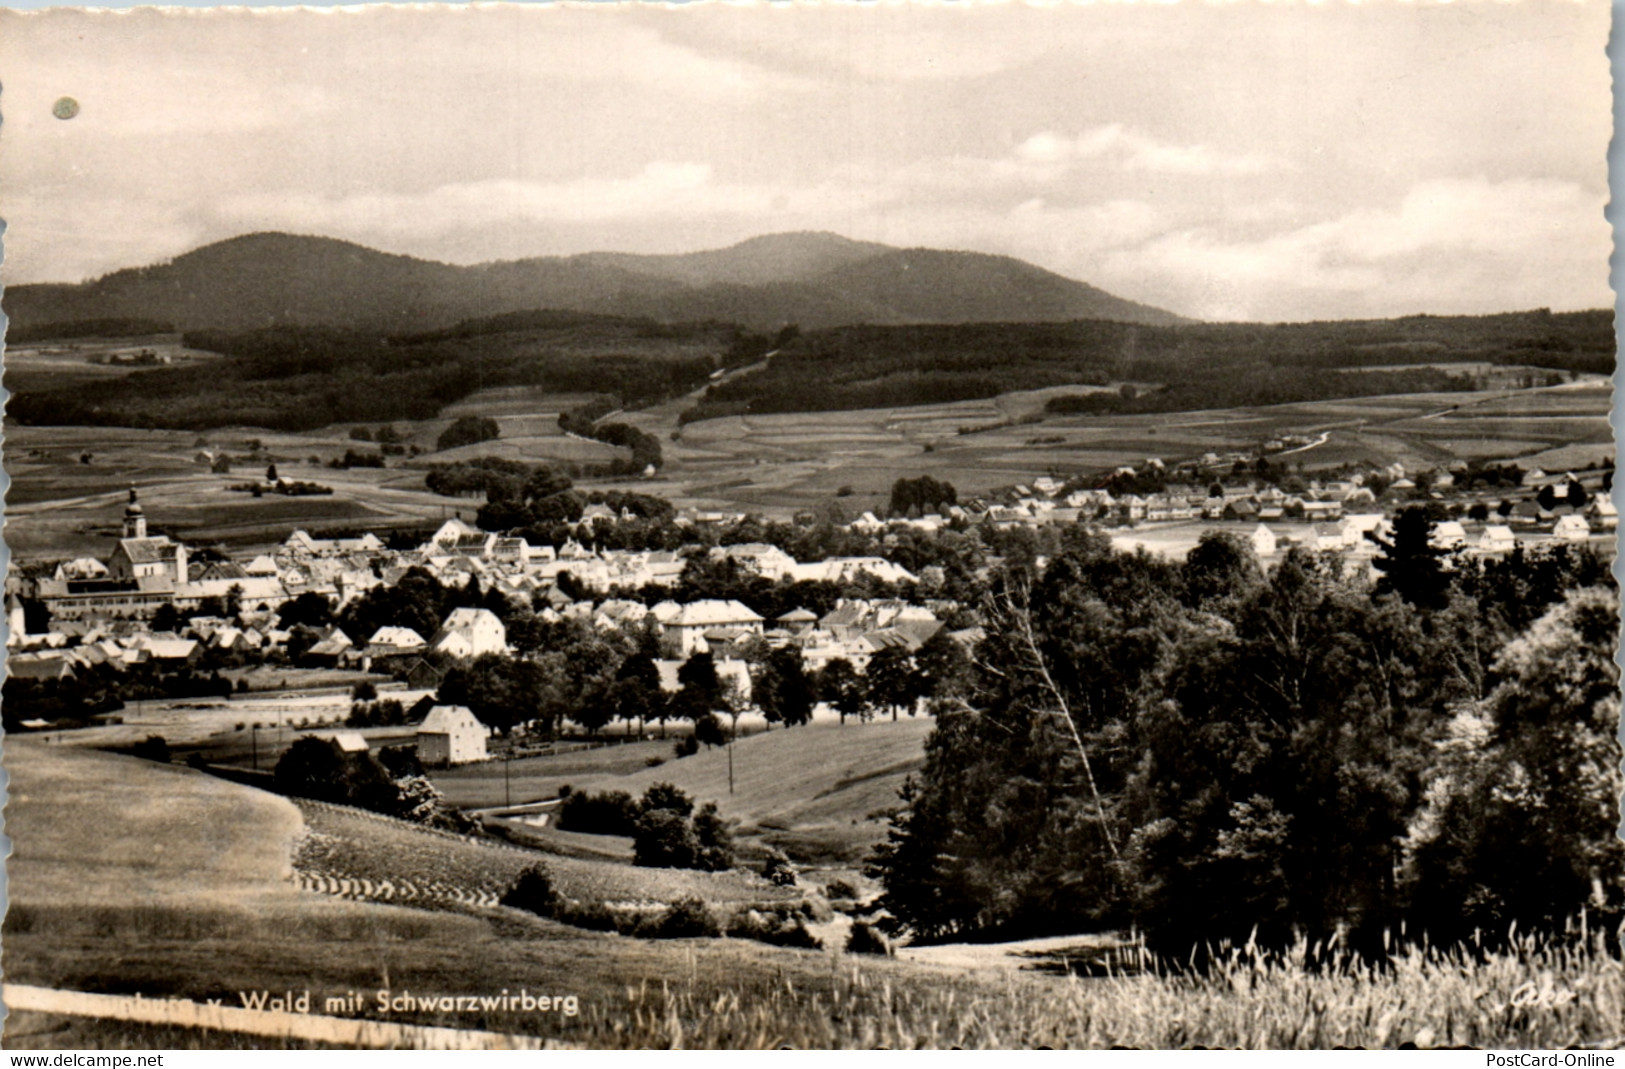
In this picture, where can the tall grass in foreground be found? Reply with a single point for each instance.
(1531, 995)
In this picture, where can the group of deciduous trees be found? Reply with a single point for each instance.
(1209, 752)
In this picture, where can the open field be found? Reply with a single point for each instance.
(76, 361)
(787, 462)
(60, 507)
(819, 791)
(776, 464)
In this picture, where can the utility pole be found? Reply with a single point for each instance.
(254, 745)
(731, 736)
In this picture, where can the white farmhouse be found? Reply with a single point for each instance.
(1264, 541)
(1572, 529)
(451, 735)
(470, 633)
(1497, 538)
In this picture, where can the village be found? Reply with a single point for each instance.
(155, 606)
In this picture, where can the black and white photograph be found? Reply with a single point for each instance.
(811, 525)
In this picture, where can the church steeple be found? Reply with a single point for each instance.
(135, 521)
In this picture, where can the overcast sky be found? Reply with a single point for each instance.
(1223, 161)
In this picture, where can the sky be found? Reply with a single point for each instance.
(1236, 160)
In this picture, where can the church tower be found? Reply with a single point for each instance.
(135, 521)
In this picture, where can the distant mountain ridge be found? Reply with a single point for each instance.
(812, 279)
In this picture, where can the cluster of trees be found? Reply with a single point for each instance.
(392, 782)
(583, 421)
(666, 830)
(356, 459)
(285, 487)
(495, 477)
(545, 498)
(468, 430)
(1208, 752)
(418, 601)
(385, 435)
(921, 495)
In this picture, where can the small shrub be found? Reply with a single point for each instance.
(778, 871)
(664, 839)
(654, 761)
(593, 916)
(153, 748)
(687, 746)
(533, 892)
(687, 918)
(665, 796)
(777, 926)
(364, 691)
(836, 890)
(865, 938)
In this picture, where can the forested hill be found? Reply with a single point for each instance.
(815, 280)
(1189, 366)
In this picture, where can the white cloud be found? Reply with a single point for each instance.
(1129, 150)
(1448, 246)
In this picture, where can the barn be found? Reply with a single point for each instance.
(451, 735)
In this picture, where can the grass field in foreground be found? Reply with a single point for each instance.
(87, 828)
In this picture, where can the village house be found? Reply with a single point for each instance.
(470, 632)
(1448, 535)
(1497, 539)
(1571, 529)
(1264, 541)
(451, 735)
(768, 561)
(687, 629)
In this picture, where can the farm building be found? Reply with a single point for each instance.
(451, 735)
(1264, 541)
(350, 742)
(1572, 529)
(1448, 535)
(397, 639)
(470, 633)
